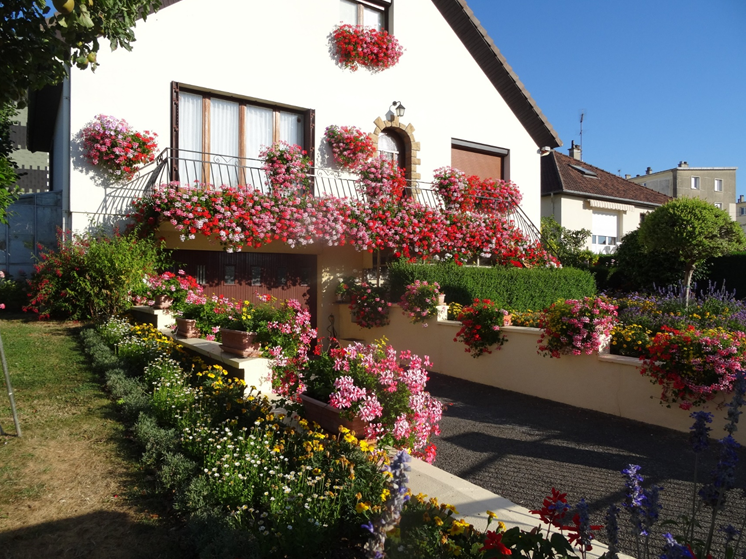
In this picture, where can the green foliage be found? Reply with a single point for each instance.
(519, 289)
(641, 270)
(8, 175)
(566, 244)
(36, 50)
(13, 292)
(92, 276)
(692, 230)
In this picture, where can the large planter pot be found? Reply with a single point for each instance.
(186, 328)
(329, 417)
(162, 302)
(238, 342)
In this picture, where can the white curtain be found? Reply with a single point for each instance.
(224, 142)
(372, 18)
(291, 128)
(348, 12)
(190, 137)
(258, 130)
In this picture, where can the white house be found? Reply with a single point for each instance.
(227, 76)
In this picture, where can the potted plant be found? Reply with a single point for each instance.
(480, 327)
(369, 305)
(351, 147)
(367, 47)
(288, 168)
(421, 300)
(573, 327)
(379, 391)
(344, 288)
(169, 290)
(111, 144)
(381, 181)
(205, 315)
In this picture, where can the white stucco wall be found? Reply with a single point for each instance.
(279, 52)
(576, 213)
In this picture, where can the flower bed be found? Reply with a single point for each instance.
(244, 217)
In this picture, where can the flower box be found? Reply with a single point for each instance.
(186, 328)
(240, 343)
(329, 417)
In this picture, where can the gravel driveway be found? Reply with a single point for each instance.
(520, 447)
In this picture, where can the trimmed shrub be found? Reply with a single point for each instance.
(518, 289)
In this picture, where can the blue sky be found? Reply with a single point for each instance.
(660, 81)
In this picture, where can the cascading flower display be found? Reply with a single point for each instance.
(381, 180)
(420, 301)
(287, 166)
(693, 365)
(182, 288)
(576, 326)
(357, 46)
(462, 193)
(245, 217)
(480, 327)
(111, 144)
(351, 147)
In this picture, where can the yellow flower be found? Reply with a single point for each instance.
(438, 521)
(362, 507)
(458, 527)
(452, 509)
(384, 494)
(492, 515)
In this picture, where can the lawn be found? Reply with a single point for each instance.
(72, 486)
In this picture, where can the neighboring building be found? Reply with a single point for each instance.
(716, 185)
(741, 212)
(581, 196)
(217, 81)
(33, 167)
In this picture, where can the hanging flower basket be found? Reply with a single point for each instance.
(357, 46)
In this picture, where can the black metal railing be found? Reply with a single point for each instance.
(204, 169)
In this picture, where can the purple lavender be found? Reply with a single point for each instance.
(674, 550)
(612, 531)
(699, 436)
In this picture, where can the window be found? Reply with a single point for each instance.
(391, 147)
(695, 183)
(718, 205)
(718, 185)
(367, 13)
(230, 129)
(605, 227)
(742, 211)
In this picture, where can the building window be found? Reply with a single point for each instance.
(718, 205)
(605, 228)
(695, 183)
(718, 185)
(230, 129)
(742, 211)
(366, 13)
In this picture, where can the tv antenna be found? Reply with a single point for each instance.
(582, 117)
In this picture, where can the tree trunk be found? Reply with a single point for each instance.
(688, 282)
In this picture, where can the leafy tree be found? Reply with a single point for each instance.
(693, 230)
(566, 244)
(8, 175)
(35, 49)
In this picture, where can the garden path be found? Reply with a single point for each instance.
(519, 447)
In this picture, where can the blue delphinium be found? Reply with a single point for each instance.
(643, 505)
(674, 550)
(392, 508)
(699, 437)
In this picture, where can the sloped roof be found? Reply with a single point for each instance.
(562, 174)
(478, 42)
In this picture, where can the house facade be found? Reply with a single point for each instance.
(580, 196)
(218, 82)
(716, 185)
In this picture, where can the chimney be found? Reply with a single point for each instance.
(575, 151)
(740, 199)
(649, 171)
(683, 165)
(627, 177)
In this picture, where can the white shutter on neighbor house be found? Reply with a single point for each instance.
(604, 231)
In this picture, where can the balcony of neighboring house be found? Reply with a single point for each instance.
(212, 171)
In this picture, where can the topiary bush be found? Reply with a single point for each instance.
(515, 289)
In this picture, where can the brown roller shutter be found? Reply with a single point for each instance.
(486, 166)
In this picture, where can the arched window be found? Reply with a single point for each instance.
(391, 147)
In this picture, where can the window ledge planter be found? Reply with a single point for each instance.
(186, 328)
(239, 342)
(162, 302)
(329, 417)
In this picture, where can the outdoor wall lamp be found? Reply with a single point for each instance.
(397, 108)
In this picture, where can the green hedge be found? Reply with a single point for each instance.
(730, 269)
(515, 289)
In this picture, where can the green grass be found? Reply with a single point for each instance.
(74, 450)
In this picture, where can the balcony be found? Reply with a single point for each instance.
(197, 168)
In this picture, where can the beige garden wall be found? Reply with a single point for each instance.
(607, 383)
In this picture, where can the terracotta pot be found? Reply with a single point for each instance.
(186, 328)
(329, 417)
(442, 299)
(162, 302)
(508, 320)
(240, 343)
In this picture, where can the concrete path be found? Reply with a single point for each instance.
(519, 447)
